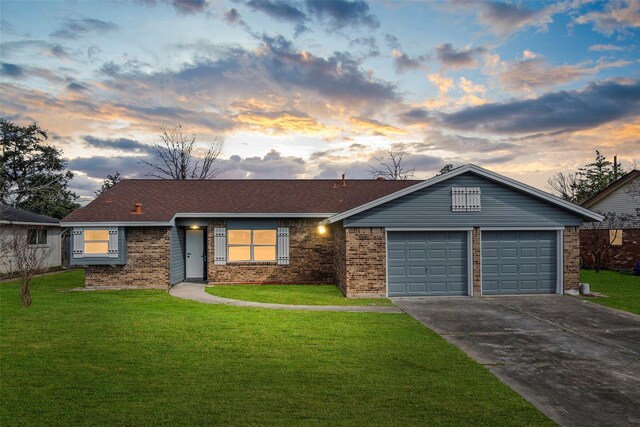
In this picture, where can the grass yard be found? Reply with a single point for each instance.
(146, 358)
(291, 294)
(623, 290)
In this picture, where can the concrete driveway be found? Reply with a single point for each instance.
(576, 361)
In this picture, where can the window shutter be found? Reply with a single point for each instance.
(113, 242)
(77, 250)
(283, 245)
(458, 199)
(465, 199)
(473, 199)
(219, 246)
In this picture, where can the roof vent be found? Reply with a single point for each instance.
(380, 178)
(344, 180)
(137, 210)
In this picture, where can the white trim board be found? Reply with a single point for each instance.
(459, 171)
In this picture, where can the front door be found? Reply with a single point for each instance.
(195, 254)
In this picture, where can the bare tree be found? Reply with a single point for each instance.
(174, 157)
(596, 238)
(24, 256)
(392, 166)
(565, 185)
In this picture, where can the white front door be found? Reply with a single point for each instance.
(195, 254)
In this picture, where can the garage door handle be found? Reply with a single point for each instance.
(426, 269)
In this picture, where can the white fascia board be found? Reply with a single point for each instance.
(458, 171)
(117, 224)
(253, 215)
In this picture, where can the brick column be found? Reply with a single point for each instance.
(475, 249)
(365, 262)
(571, 258)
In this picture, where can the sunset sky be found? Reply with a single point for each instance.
(316, 89)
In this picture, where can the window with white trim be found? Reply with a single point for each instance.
(465, 199)
(37, 236)
(251, 245)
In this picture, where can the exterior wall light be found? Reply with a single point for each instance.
(322, 229)
(195, 227)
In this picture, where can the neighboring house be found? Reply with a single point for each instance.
(43, 233)
(622, 198)
(467, 232)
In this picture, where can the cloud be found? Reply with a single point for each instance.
(279, 122)
(118, 144)
(275, 69)
(273, 165)
(534, 72)
(504, 19)
(616, 16)
(368, 43)
(415, 116)
(77, 87)
(232, 16)
(334, 14)
(404, 63)
(187, 7)
(100, 166)
(40, 47)
(83, 27)
(457, 58)
(590, 107)
(443, 83)
(374, 127)
(342, 13)
(605, 48)
(12, 70)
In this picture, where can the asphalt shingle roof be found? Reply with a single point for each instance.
(162, 199)
(8, 213)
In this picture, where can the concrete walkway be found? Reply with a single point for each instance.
(195, 292)
(576, 361)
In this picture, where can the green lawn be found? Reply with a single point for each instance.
(292, 294)
(146, 358)
(623, 290)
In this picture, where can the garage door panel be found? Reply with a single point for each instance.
(423, 263)
(518, 262)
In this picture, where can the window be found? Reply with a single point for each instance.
(37, 236)
(615, 237)
(465, 199)
(96, 242)
(251, 245)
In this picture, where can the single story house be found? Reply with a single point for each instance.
(622, 198)
(43, 232)
(466, 232)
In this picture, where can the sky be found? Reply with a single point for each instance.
(308, 89)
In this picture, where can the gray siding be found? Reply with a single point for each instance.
(620, 201)
(176, 266)
(122, 253)
(431, 207)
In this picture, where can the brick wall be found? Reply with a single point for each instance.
(310, 258)
(147, 262)
(362, 258)
(475, 249)
(339, 256)
(571, 258)
(623, 257)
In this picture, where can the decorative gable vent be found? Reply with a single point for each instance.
(465, 199)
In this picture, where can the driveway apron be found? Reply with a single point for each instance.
(576, 361)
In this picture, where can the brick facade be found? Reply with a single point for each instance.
(311, 258)
(623, 257)
(147, 262)
(477, 271)
(361, 261)
(571, 258)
